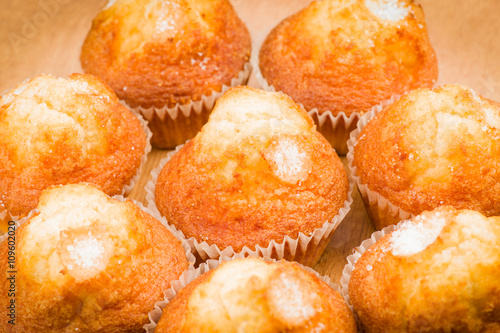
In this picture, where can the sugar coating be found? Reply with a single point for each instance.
(390, 10)
(168, 17)
(291, 302)
(109, 4)
(492, 118)
(289, 159)
(78, 229)
(414, 237)
(256, 118)
(86, 252)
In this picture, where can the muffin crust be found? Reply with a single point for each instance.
(257, 171)
(60, 131)
(346, 56)
(88, 263)
(255, 296)
(434, 147)
(438, 273)
(160, 53)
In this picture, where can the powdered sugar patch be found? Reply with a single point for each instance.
(390, 10)
(415, 237)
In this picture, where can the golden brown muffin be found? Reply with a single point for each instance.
(251, 295)
(257, 171)
(346, 56)
(87, 263)
(440, 272)
(431, 148)
(160, 53)
(61, 131)
(167, 55)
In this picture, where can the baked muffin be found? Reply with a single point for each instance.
(160, 53)
(61, 131)
(431, 148)
(439, 272)
(252, 295)
(87, 263)
(257, 171)
(344, 58)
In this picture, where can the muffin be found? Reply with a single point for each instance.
(257, 172)
(252, 295)
(158, 55)
(343, 58)
(61, 131)
(430, 148)
(87, 263)
(439, 272)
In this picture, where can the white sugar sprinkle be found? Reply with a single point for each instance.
(293, 301)
(289, 159)
(414, 237)
(109, 4)
(86, 252)
(369, 267)
(492, 118)
(390, 10)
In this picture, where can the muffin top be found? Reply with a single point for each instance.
(89, 262)
(59, 131)
(438, 272)
(434, 147)
(252, 295)
(257, 171)
(346, 56)
(160, 53)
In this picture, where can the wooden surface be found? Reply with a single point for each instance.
(45, 36)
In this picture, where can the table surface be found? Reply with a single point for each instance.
(45, 37)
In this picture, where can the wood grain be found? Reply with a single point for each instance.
(45, 36)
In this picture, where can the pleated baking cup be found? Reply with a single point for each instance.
(335, 128)
(381, 211)
(305, 249)
(191, 274)
(357, 252)
(174, 126)
(128, 187)
(5, 218)
(15, 223)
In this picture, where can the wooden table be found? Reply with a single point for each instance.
(45, 36)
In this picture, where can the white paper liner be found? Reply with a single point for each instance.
(335, 129)
(357, 252)
(196, 114)
(18, 222)
(128, 187)
(189, 275)
(303, 249)
(5, 217)
(185, 245)
(380, 210)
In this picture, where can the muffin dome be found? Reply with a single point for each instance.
(160, 53)
(431, 148)
(346, 56)
(60, 131)
(257, 171)
(88, 263)
(254, 296)
(439, 272)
